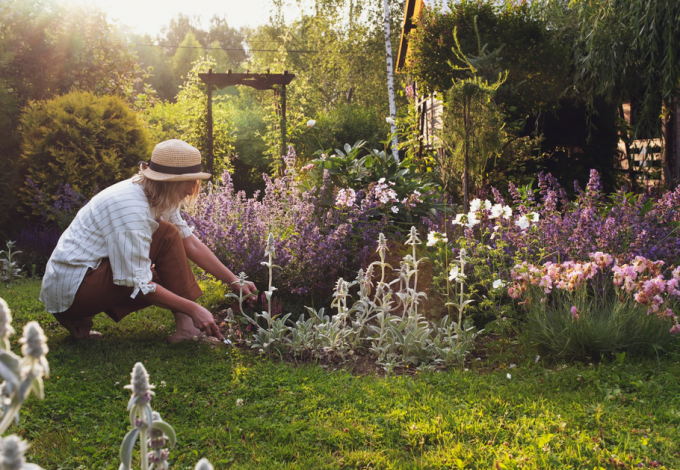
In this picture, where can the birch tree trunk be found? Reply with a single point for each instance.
(390, 81)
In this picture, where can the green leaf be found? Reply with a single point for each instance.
(167, 430)
(127, 447)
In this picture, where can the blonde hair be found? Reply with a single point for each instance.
(166, 195)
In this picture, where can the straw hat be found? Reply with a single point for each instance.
(174, 160)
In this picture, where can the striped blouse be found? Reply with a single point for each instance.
(117, 224)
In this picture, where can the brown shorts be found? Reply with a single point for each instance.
(97, 292)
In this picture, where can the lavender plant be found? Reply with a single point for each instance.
(313, 243)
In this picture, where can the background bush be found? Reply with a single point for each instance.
(82, 140)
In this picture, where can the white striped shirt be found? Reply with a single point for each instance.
(117, 224)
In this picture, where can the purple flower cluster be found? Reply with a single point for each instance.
(624, 224)
(38, 239)
(314, 245)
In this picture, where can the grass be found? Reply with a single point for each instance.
(606, 415)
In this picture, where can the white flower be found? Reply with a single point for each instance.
(381, 180)
(487, 204)
(457, 221)
(475, 205)
(395, 209)
(311, 123)
(239, 402)
(534, 216)
(538, 358)
(390, 121)
(472, 219)
(455, 274)
(434, 237)
(497, 284)
(523, 222)
(345, 197)
(496, 211)
(512, 366)
(162, 383)
(507, 212)
(509, 376)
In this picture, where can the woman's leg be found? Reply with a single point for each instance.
(97, 292)
(174, 273)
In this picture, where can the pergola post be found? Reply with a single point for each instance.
(210, 157)
(283, 124)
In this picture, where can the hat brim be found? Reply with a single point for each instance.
(156, 176)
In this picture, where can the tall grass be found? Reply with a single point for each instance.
(599, 328)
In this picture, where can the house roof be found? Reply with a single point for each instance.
(412, 9)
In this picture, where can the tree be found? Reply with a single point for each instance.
(188, 52)
(625, 51)
(220, 57)
(47, 49)
(472, 132)
(186, 119)
(390, 81)
(539, 69)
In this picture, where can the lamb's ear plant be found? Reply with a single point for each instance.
(9, 270)
(21, 375)
(271, 338)
(241, 281)
(147, 426)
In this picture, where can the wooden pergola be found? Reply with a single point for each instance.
(258, 81)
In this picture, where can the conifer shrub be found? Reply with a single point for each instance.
(86, 141)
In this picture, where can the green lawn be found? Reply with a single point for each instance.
(544, 416)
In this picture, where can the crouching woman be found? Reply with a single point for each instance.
(129, 248)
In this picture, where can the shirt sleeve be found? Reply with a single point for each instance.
(176, 219)
(129, 256)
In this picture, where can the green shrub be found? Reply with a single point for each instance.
(601, 329)
(337, 126)
(81, 139)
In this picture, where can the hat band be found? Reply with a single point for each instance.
(173, 170)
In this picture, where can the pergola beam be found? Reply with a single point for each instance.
(258, 81)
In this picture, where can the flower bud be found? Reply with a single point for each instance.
(34, 341)
(6, 329)
(203, 464)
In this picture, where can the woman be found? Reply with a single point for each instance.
(127, 249)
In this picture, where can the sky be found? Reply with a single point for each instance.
(149, 16)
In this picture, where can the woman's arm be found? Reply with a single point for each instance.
(206, 260)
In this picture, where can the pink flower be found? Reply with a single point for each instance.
(574, 313)
(308, 167)
(675, 329)
(672, 287)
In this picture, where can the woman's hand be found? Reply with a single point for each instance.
(204, 321)
(249, 288)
